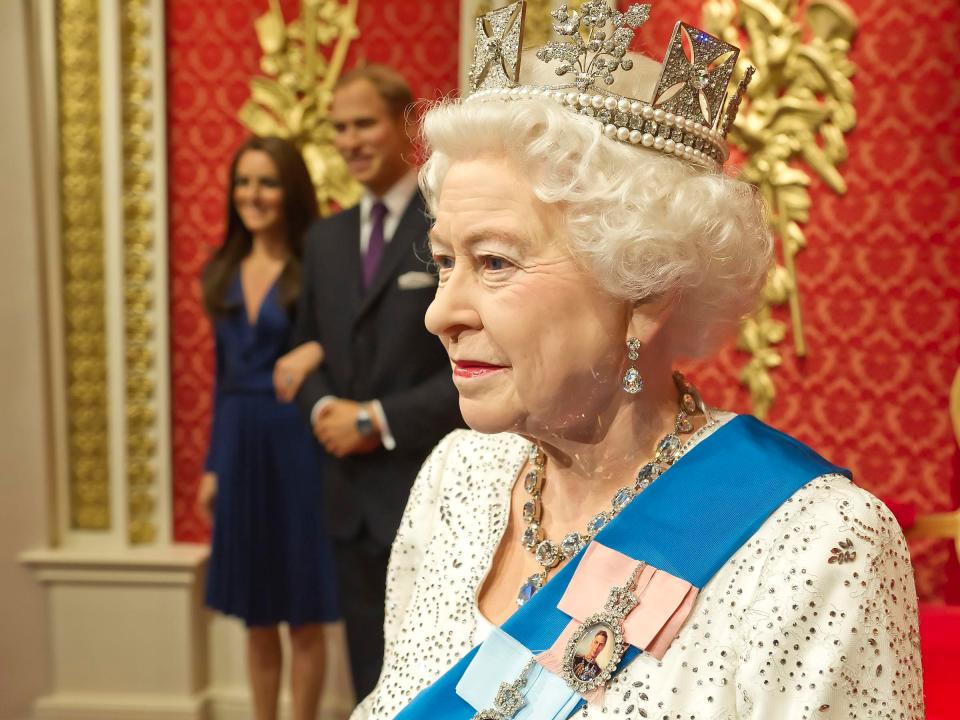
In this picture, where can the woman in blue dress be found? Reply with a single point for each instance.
(270, 560)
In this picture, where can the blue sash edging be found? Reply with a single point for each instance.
(694, 518)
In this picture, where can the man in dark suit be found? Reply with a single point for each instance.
(383, 396)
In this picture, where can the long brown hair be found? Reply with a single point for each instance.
(299, 210)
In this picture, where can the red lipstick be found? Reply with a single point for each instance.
(474, 369)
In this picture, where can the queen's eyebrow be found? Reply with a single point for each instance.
(483, 234)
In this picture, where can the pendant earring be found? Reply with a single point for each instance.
(632, 380)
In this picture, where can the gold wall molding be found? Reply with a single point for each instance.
(292, 98)
(792, 124)
(82, 262)
(140, 385)
(101, 143)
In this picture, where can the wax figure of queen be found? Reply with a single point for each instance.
(381, 396)
(587, 238)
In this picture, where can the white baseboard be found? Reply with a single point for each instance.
(97, 706)
(131, 641)
(234, 704)
(218, 704)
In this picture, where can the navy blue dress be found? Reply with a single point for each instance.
(271, 560)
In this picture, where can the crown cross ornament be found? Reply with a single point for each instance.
(684, 117)
(496, 54)
(695, 86)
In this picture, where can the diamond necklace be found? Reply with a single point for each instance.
(548, 553)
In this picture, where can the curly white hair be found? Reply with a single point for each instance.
(644, 224)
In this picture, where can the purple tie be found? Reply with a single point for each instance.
(371, 260)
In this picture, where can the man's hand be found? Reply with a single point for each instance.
(336, 429)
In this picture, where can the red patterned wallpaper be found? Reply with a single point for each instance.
(880, 279)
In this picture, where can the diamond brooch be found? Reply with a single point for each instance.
(509, 698)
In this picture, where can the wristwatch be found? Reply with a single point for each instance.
(364, 423)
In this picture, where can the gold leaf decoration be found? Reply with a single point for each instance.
(292, 99)
(81, 231)
(139, 258)
(792, 125)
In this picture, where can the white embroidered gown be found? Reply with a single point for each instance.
(795, 625)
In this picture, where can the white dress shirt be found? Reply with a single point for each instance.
(396, 200)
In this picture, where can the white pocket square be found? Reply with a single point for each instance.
(414, 280)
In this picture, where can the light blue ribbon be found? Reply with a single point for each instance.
(501, 659)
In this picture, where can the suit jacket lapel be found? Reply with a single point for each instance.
(409, 232)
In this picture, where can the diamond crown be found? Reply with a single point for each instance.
(689, 112)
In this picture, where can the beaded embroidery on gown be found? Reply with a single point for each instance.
(814, 617)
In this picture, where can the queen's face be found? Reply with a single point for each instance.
(535, 346)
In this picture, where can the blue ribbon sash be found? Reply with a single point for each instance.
(689, 522)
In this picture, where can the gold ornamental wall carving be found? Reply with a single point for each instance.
(138, 270)
(81, 219)
(301, 62)
(792, 124)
